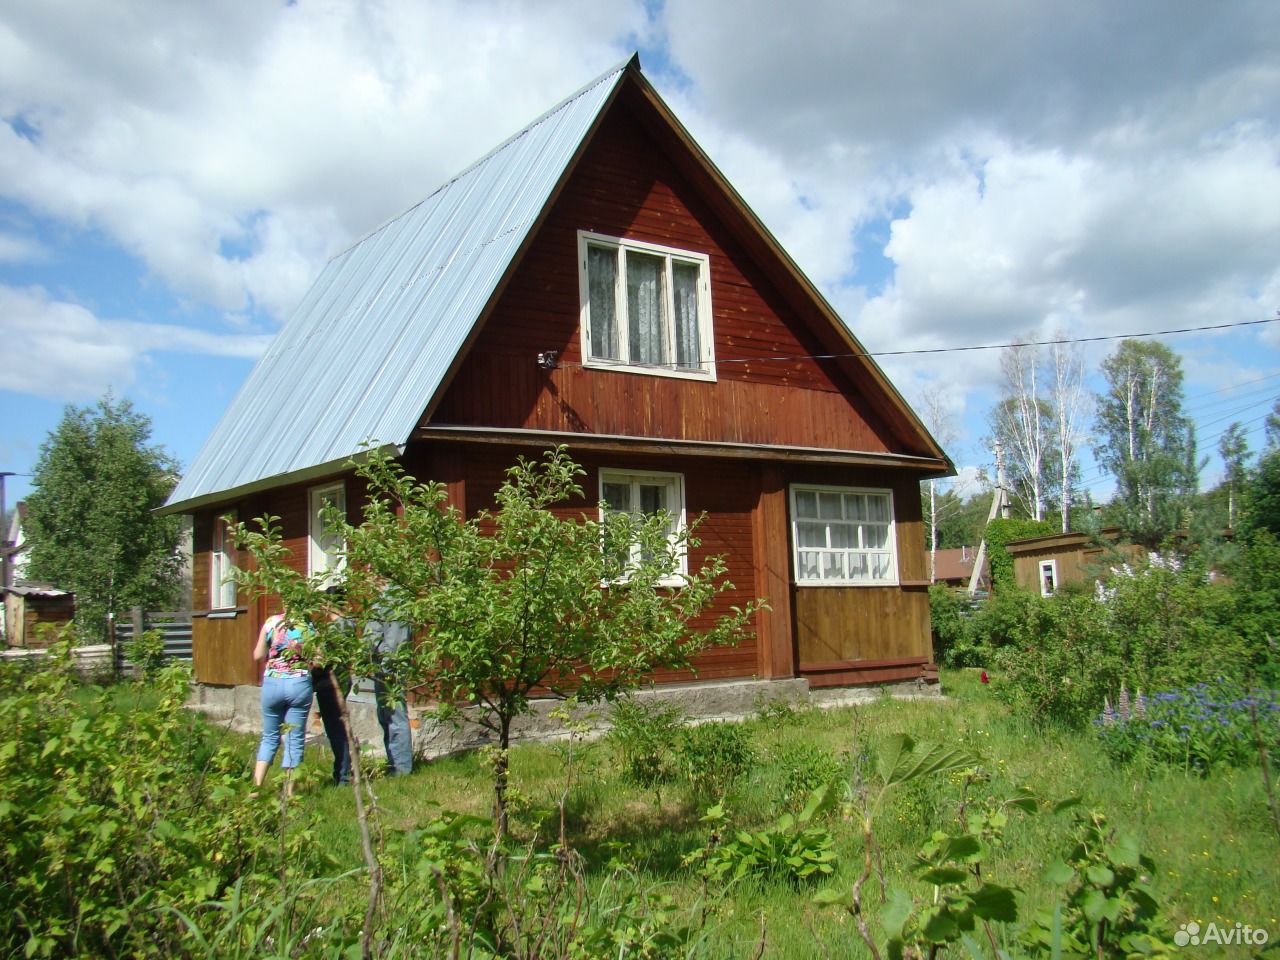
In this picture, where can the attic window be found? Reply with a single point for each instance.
(645, 308)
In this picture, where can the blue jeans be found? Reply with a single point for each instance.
(397, 738)
(284, 700)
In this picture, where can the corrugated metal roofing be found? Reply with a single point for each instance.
(365, 351)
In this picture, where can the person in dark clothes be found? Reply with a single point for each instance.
(331, 686)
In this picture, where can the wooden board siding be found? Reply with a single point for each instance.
(626, 187)
(725, 491)
(222, 645)
(847, 635)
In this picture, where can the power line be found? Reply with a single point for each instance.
(922, 351)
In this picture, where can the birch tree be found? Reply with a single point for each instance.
(942, 424)
(1233, 446)
(1022, 422)
(1069, 405)
(1144, 440)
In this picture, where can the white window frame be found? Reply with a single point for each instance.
(318, 559)
(1051, 567)
(707, 367)
(675, 483)
(889, 580)
(222, 558)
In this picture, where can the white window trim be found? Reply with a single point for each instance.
(614, 474)
(891, 581)
(221, 562)
(707, 370)
(317, 558)
(1050, 565)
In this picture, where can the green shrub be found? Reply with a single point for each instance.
(805, 767)
(647, 736)
(714, 755)
(111, 819)
(146, 653)
(791, 849)
(999, 532)
(949, 618)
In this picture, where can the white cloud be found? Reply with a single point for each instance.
(19, 249)
(61, 351)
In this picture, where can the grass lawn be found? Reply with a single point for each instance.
(1217, 854)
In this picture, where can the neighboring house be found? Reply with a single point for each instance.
(954, 567)
(594, 281)
(1046, 564)
(28, 606)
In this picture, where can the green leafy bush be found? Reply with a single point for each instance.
(806, 767)
(714, 755)
(792, 849)
(999, 532)
(647, 736)
(112, 818)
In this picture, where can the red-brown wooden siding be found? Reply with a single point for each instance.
(625, 186)
(725, 491)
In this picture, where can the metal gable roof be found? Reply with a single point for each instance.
(370, 343)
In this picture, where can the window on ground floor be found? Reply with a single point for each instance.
(843, 536)
(325, 545)
(646, 493)
(1048, 578)
(222, 559)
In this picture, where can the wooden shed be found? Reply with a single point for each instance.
(1046, 564)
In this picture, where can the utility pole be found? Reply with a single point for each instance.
(6, 545)
(1000, 508)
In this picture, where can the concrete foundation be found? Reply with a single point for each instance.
(238, 708)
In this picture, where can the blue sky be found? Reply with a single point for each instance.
(172, 178)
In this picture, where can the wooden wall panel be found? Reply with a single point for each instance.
(625, 186)
(726, 491)
(222, 650)
(860, 623)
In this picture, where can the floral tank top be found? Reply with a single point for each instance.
(284, 650)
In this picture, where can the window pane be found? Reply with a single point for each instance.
(878, 509)
(875, 537)
(829, 506)
(808, 566)
(833, 566)
(602, 286)
(857, 566)
(810, 534)
(618, 496)
(653, 498)
(844, 536)
(806, 503)
(856, 504)
(645, 302)
(685, 280)
(883, 563)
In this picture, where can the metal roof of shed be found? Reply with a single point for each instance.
(366, 349)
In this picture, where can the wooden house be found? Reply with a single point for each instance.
(1046, 564)
(594, 281)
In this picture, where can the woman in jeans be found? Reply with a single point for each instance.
(286, 696)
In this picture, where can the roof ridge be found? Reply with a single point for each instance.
(519, 134)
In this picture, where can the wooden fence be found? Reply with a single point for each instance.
(175, 625)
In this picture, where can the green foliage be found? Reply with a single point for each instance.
(1196, 728)
(90, 515)
(1110, 906)
(146, 652)
(1260, 498)
(806, 767)
(647, 735)
(948, 616)
(1144, 439)
(792, 849)
(714, 755)
(999, 532)
(111, 819)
